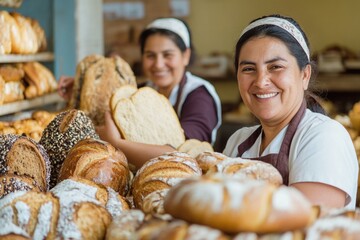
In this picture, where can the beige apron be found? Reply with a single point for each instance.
(280, 160)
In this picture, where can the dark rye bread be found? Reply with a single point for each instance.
(12, 183)
(61, 134)
(21, 155)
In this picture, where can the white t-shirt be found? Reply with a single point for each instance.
(321, 151)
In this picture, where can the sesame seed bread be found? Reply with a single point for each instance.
(13, 183)
(234, 205)
(148, 117)
(98, 161)
(23, 156)
(61, 134)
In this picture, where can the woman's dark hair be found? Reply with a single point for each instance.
(295, 49)
(170, 34)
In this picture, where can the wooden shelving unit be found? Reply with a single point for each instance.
(16, 58)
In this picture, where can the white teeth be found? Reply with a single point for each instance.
(268, 95)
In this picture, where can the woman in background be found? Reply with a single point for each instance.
(312, 152)
(166, 51)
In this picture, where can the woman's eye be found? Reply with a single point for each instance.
(247, 69)
(275, 67)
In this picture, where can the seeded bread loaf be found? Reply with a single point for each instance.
(61, 134)
(10, 182)
(162, 172)
(148, 117)
(98, 161)
(23, 156)
(233, 206)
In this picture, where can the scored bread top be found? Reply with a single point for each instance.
(148, 117)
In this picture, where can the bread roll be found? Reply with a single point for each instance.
(162, 172)
(29, 214)
(40, 35)
(247, 169)
(11, 72)
(23, 156)
(2, 90)
(39, 76)
(13, 91)
(207, 160)
(13, 183)
(148, 117)
(234, 206)
(5, 36)
(26, 42)
(98, 161)
(61, 134)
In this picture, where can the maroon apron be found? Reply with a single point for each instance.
(179, 94)
(279, 161)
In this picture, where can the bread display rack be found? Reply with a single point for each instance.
(18, 106)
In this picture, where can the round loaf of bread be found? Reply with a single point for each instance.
(247, 169)
(10, 182)
(98, 161)
(162, 172)
(208, 159)
(234, 206)
(29, 214)
(21, 155)
(81, 189)
(61, 134)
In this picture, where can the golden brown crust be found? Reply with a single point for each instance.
(5, 36)
(11, 72)
(98, 161)
(232, 205)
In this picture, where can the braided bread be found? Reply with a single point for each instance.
(232, 205)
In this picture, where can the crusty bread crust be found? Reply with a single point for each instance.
(236, 206)
(194, 147)
(148, 117)
(124, 91)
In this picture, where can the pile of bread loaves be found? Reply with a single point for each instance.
(20, 34)
(72, 185)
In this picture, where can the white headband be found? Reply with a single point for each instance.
(173, 25)
(284, 24)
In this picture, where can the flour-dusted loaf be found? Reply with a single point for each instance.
(98, 161)
(61, 134)
(162, 172)
(124, 91)
(29, 214)
(194, 147)
(233, 206)
(96, 79)
(23, 156)
(10, 182)
(247, 169)
(82, 188)
(148, 117)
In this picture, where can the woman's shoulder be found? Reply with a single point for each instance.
(238, 137)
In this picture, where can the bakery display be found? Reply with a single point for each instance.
(138, 118)
(61, 134)
(98, 161)
(96, 79)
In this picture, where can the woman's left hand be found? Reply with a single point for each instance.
(109, 131)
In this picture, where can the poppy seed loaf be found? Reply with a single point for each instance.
(12, 183)
(61, 134)
(21, 155)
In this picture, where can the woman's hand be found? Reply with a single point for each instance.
(65, 87)
(109, 132)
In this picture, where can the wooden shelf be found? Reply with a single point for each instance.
(18, 106)
(40, 57)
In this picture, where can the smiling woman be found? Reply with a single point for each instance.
(312, 152)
